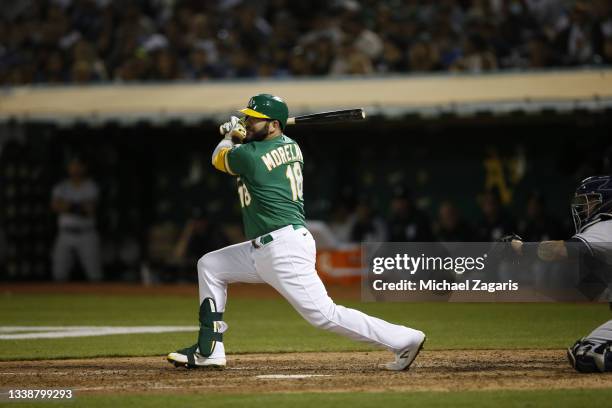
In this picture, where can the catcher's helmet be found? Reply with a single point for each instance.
(267, 106)
(592, 201)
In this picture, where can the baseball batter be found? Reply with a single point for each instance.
(280, 251)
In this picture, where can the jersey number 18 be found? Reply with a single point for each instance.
(296, 181)
(245, 197)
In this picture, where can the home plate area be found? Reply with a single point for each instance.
(435, 370)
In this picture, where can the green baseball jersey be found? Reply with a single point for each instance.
(270, 184)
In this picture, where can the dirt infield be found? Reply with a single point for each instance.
(355, 371)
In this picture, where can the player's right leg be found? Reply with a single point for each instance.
(288, 265)
(215, 270)
(88, 251)
(62, 257)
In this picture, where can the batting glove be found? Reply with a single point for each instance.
(227, 126)
(233, 130)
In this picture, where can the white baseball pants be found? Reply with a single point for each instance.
(603, 332)
(288, 265)
(86, 246)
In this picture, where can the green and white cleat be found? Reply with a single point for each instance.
(190, 357)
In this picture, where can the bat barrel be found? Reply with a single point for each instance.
(346, 115)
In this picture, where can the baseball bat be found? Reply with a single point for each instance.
(345, 115)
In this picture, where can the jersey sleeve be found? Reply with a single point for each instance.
(598, 239)
(239, 160)
(578, 247)
(599, 232)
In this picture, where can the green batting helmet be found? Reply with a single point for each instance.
(266, 106)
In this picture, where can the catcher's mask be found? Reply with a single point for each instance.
(592, 201)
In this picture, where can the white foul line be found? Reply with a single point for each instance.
(58, 332)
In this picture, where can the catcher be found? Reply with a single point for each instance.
(280, 251)
(592, 245)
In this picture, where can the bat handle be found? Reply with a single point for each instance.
(291, 121)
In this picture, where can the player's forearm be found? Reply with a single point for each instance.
(552, 250)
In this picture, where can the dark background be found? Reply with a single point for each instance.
(152, 175)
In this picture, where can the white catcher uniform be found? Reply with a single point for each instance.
(592, 247)
(280, 252)
(593, 353)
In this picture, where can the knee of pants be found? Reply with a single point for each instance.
(206, 266)
(322, 317)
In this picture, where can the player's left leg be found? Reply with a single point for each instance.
(215, 270)
(603, 332)
(288, 264)
(88, 251)
(593, 353)
(62, 257)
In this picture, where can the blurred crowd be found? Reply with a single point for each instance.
(405, 222)
(88, 41)
(354, 221)
(173, 249)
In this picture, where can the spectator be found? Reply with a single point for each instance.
(74, 200)
(423, 57)
(87, 41)
(341, 222)
(477, 56)
(538, 225)
(324, 50)
(607, 51)
(406, 222)
(199, 65)
(298, 64)
(55, 69)
(350, 61)
(3, 249)
(495, 222)
(200, 236)
(364, 40)
(539, 54)
(450, 226)
(367, 226)
(392, 59)
(82, 72)
(581, 39)
(84, 54)
(242, 65)
(165, 66)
